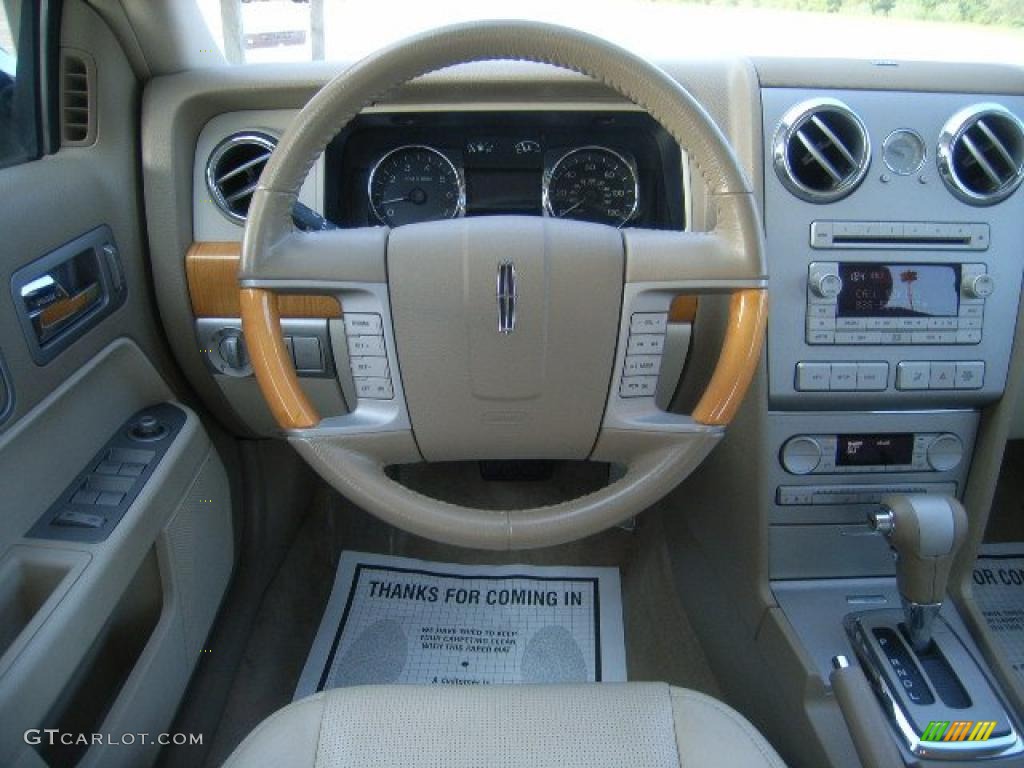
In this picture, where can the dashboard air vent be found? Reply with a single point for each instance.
(821, 150)
(981, 154)
(233, 171)
(77, 98)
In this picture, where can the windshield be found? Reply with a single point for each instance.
(930, 30)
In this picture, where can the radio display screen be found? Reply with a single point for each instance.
(899, 290)
(874, 450)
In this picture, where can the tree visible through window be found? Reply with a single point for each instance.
(18, 127)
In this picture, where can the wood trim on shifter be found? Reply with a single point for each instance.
(212, 272)
(271, 362)
(737, 363)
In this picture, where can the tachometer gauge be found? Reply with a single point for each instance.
(415, 183)
(591, 184)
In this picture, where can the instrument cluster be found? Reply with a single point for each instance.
(618, 169)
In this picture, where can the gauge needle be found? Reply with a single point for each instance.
(394, 200)
(572, 208)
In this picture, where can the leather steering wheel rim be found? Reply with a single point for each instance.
(353, 457)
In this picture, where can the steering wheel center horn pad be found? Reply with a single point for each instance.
(506, 337)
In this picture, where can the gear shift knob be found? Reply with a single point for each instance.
(925, 531)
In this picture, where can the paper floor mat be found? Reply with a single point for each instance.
(400, 620)
(999, 592)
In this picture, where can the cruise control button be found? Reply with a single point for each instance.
(375, 367)
(367, 346)
(645, 344)
(648, 322)
(638, 386)
(359, 323)
(375, 389)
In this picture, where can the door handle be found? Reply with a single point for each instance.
(52, 307)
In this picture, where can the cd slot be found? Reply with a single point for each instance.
(896, 235)
(900, 242)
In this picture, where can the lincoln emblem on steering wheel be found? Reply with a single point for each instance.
(507, 297)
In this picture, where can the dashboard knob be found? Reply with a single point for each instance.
(801, 455)
(148, 428)
(826, 285)
(945, 453)
(978, 286)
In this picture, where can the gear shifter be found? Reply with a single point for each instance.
(925, 531)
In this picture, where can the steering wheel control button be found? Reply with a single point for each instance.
(648, 322)
(645, 344)
(638, 386)
(970, 375)
(375, 388)
(363, 324)
(813, 377)
(366, 346)
(375, 367)
(368, 356)
(801, 455)
(308, 355)
(913, 375)
(642, 365)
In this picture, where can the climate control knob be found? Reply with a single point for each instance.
(978, 286)
(825, 285)
(801, 455)
(945, 453)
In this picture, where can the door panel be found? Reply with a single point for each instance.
(100, 634)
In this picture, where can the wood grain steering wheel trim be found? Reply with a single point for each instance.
(271, 362)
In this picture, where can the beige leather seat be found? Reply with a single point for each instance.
(569, 726)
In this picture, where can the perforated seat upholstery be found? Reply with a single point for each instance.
(646, 725)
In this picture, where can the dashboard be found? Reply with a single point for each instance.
(616, 168)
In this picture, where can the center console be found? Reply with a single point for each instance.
(893, 234)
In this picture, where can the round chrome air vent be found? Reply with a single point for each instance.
(233, 171)
(981, 154)
(821, 150)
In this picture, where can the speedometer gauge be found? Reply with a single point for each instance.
(415, 183)
(592, 184)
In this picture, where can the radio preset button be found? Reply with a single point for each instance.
(851, 324)
(801, 455)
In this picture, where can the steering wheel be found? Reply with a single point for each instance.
(503, 336)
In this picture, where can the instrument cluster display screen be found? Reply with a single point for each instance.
(899, 290)
(874, 450)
